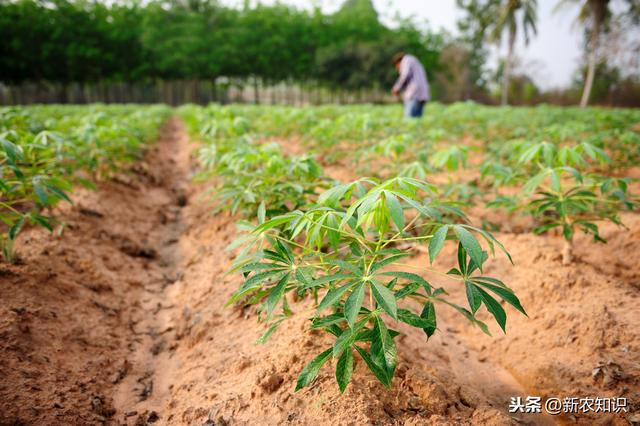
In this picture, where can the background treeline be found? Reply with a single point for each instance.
(168, 46)
(178, 51)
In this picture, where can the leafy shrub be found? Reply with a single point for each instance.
(346, 249)
(46, 151)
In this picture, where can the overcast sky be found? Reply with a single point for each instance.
(551, 57)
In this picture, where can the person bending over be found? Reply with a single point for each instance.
(412, 82)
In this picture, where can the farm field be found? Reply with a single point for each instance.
(276, 265)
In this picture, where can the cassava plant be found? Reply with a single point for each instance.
(47, 150)
(346, 255)
(578, 204)
(564, 198)
(249, 175)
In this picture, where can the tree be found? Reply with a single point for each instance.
(473, 25)
(93, 43)
(508, 11)
(594, 15)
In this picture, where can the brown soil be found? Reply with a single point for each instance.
(121, 321)
(82, 314)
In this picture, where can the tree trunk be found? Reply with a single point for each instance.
(507, 67)
(256, 93)
(592, 61)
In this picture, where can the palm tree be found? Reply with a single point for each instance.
(593, 13)
(508, 11)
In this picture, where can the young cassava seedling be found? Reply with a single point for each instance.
(344, 253)
(578, 206)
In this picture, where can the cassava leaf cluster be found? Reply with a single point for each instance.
(45, 151)
(345, 250)
(347, 247)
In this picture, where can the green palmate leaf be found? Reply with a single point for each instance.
(275, 222)
(315, 236)
(378, 371)
(345, 265)
(353, 304)
(429, 313)
(407, 290)
(468, 315)
(303, 277)
(12, 151)
(490, 280)
(387, 261)
(333, 234)
(395, 210)
(261, 212)
(259, 266)
(333, 296)
(544, 228)
(331, 197)
(15, 229)
(259, 277)
(327, 321)
(329, 279)
(40, 192)
(276, 293)
(285, 251)
(462, 262)
(276, 256)
(240, 241)
(491, 240)
(370, 208)
(423, 209)
(411, 277)
(43, 221)
(334, 329)
(414, 320)
(346, 339)
(437, 242)
(555, 180)
(350, 212)
(267, 334)
(470, 244)
(391, 285)
(252, 284)
(471, 266)
(473, 297)
(58, 193)
(383, 350)
(494, 307)
(367, 335)
(385, 299)
(534, 182)
(505, 293)
(344, 370)
(311, 370)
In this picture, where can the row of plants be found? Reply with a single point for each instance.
(341, 247)
(548, 163)
(323, 128)
(560, 186)
(47, 150)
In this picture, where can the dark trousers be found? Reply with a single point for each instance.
(413, 108)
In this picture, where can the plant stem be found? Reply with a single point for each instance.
(567, 252)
